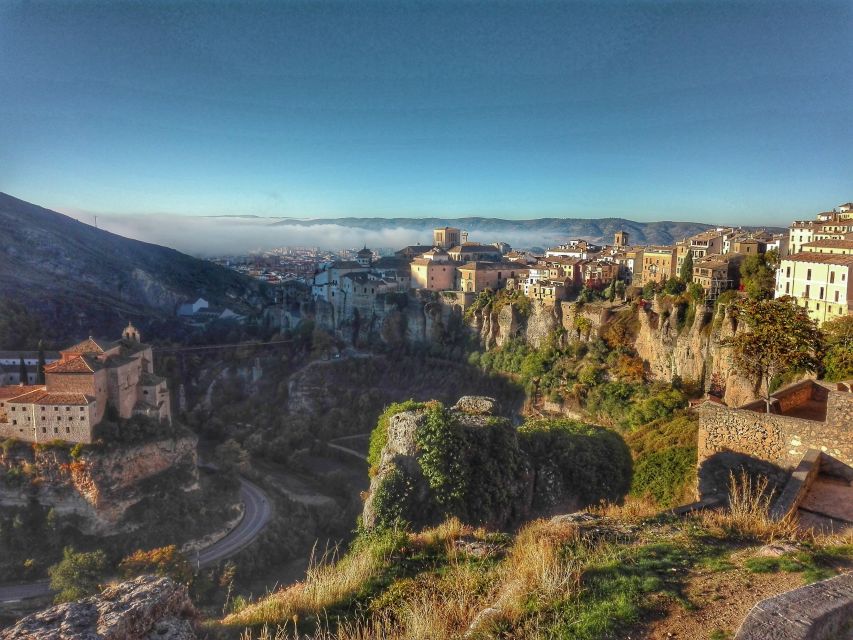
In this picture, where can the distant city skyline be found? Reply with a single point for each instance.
(724, 113)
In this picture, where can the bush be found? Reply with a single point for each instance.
(590, 462)
(78, 575)
(664, 475)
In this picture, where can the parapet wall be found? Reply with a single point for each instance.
(820, 611)
(781, 440)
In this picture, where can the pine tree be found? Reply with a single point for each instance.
(40, 370)
(686, 272)
(22, 371)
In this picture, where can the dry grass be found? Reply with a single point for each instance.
(327, 583)
(538, 567)
(633, 509)
(748, 514)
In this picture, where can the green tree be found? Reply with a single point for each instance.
(758, 276)
(686, 271)
(78, 574)
(838, 355)
(40, 370)
(779, 338)
(22, 371)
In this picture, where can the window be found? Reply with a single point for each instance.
(806, 294)
(821, 293)
(809, 274)
(831, 277)
(56, 408)
(788, 272)
(14, 422)
(67, 429)
(836, 296)
(787, 287)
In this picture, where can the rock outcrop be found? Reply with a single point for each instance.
(468, 463)
(99, 485)
(145, 608)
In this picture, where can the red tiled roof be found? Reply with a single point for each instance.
(13, 391)
(90, 345)
(821, 258)
(29, 397)
(51, 398)
(75, 364)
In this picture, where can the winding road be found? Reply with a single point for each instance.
(256, 516)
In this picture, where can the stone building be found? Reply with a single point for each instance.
(658, 264)
(446, 237)
(475, 277)
(78, 387)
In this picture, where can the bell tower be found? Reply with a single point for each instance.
(131, 333)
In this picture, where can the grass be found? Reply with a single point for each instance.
(576, 581)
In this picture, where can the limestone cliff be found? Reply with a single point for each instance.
(468, 463)
(144, 608)
(99, 485)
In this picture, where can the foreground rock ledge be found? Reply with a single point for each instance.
(144, 608)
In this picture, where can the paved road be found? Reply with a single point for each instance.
(255, 518)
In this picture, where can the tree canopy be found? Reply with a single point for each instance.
(780, 338)
(78, 574)
(686, 271)
(758, 274)
(838, 355)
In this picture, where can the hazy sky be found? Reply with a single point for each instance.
(717, 112)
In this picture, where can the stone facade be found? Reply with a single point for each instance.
(783, 437)
(79, 386)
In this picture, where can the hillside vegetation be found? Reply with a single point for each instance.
(73, 279)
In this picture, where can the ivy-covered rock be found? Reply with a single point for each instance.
(438, 462)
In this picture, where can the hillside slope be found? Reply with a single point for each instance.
(76, 279)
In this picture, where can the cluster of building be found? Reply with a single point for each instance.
(79, 385)
(816, 258)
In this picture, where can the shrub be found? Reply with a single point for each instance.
(664, 475)
(78, 574)
(590, 462)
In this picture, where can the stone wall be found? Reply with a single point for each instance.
(781, 440)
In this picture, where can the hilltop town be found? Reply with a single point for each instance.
(812, 264)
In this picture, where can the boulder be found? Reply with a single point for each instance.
(144, 608)
(476, 405)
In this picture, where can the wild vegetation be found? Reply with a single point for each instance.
(613, 572)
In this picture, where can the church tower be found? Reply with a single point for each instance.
(621, 239)
(131, 333)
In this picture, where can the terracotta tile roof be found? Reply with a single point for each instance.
(821, 258)
(29, 397)
(831, 243)
(14, 391)
(91, 345)
(52, 398)
(76, 364)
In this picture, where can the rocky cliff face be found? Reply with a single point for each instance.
(101, 484)
(693, 351)
(468, 463)
(146, 608)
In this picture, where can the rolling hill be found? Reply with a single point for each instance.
(76, 280)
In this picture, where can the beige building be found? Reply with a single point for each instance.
(821, 282)
(434, 271)
(658, 264)
(801, 232)
(841, 247)
(475, 277)
(446, 237)
(473, 252)
(716, 274)
(79, 386)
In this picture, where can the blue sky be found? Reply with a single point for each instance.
(708, 111)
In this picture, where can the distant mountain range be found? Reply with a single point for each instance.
(528, 231)
(77, 280)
